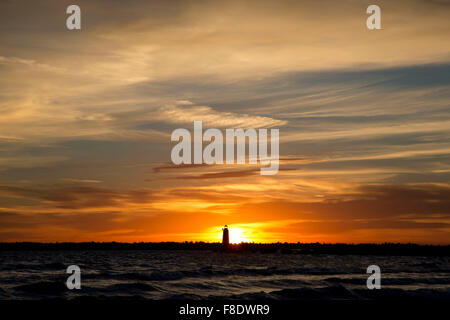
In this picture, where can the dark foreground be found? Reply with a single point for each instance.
(216, 275)
(286, 248)
(137, 309)
(172, 280)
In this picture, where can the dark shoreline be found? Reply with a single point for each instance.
(397, 249)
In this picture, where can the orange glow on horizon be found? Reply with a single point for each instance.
(238, 235)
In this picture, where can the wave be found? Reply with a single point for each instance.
(341, 293)
(133, 286)
(326, 293)
(36, 266)
(392, 281)
(153, 276)
(396, 293)
(177, 275)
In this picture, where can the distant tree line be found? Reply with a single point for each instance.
(408, 249)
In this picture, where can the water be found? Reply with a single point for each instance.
(164, 274)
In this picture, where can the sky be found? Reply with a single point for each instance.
(86, 118)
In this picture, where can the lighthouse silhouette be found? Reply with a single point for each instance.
(225, 236)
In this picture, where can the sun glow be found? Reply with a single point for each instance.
(238, 235)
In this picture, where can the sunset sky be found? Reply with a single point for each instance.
(86, 119)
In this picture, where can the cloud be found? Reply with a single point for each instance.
(355, 107)
(221, 175)
(81, 180)
(30, 161)
(363, 132)
(377, 213)
(183, 114)
(170, 166)
(78, 197)
(29, 63)
(226, 174)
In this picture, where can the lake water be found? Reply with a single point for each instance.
(162, 274)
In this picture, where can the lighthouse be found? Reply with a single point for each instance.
(225, 237)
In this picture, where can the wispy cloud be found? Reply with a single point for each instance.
(81, 180)
(86, 119)
(185, 113)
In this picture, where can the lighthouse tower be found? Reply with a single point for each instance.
(225, 237)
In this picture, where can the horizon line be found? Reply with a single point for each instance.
(220, 243)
